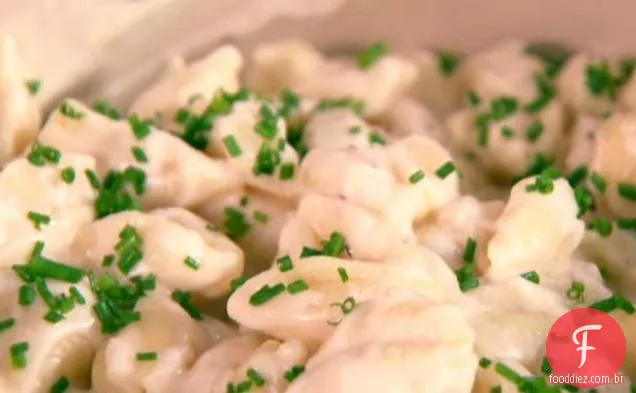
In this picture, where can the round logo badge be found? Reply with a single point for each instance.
(586, 348)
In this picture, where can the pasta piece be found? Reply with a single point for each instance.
(252, 138)
(512, 318)
(300, 67)
(167, 332)
(253, 220)
(175, 174)
(440, 92)
(585, 133)
(173, 244)
(65, 348)
(614, 159)
(20, 116)
(37, 204)
(536, 231)
(398, 342)
(409, 117)
(337, 129)
(502, 70)
(191, 85)
(506, 148)
(464, 218)
(306, 315)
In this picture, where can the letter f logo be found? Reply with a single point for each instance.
(583, 345)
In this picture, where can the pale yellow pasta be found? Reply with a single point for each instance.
(582, 147)
(164, 329)
(439, 92)
(448, 231)
(20, 116)
(213, 369)
(614, 159)
(26, 188)
(337, 129)
(301, 68)
(54, 349)
(512, 318)
(168, 238)
(190, 86)
(397, 342)
(535, 232)
(409, 117)
(263, 217)
(509, 150)
(504, 69)
(307, 315)
(240, 125)
(176, 174)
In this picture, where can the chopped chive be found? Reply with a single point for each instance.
(376, 138)
(335, 245)
(353, 130)
(599, 183)
(27, 295)
(244, 201)
(103, 107)
(38, 219)
(448, 63)
(232, 146)
(267, 159)
(356, 105)
(348, 305)
(584, 200)
(342, 272)
(578, 175)
(614, 302)
(260, 217)
(297, 287)
(108, 260)
(576, 291)
(473, 98)
(146, 356)
(255, 377)
(53, 316)
(532, 277)
(503, 107)
(45, 294)
(191, 263)
(7, 324)
(287, 170)
(266, 294)
(237, 283)
(507, 132)
(533, 133)
(601, 225)
(61, 385)
(235, 224)
(294, 372)
(129, 260)
(416, 176)
(139, 154)
(626, 224)
(508, 373)
(484, 362)
(290, 102)
(92, 179)
(67, 110)
(39, 155)
(184, 300)
(267, 127)
(77, 295)
(309, 252)
(141, 128)
(33, 86)
(244, 386)
(285, 263)
(367, 58)
(495, 389)
(39, 266)
(627, 191)
(68, 175)
(469, 250)
(445, 170)
(18, 354)
(482, 124)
